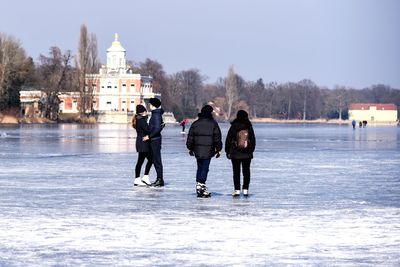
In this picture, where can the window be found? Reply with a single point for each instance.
(109, 86)
(132, 102)
(115, 86)
(123, 102)
(108, 102)
(102, 86)
(132, 85)
(114, 60)
(124, 85)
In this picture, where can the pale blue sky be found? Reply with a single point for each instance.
(345, 42)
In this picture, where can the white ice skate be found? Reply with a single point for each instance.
(236, 193)
(146, 180)
(245, 192)
(138, 182)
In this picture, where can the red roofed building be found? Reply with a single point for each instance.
(371, 112)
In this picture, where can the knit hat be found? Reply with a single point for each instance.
(207, 109)
(206, 112)
(241, 114)
(140, 109)
(155, 102)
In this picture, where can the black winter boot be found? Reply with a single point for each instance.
(159, 182)
(201, 190)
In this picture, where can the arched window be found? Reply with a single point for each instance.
(114, 60)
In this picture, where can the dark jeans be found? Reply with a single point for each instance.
(155, 146)
(202, 170)
(142, 156)
(236, 172)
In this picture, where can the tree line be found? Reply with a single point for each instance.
(183, 92)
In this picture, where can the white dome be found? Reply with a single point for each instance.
(116, 46)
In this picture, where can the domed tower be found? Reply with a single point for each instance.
(116, 57)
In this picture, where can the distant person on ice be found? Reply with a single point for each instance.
(139, 122)
(183, 124)
(156, 125)
(204, 142)
(353, 122)
(239, 147)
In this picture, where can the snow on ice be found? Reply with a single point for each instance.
(319, 195)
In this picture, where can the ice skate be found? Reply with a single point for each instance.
(138, 182)
(146, 180)
(245, 192)
(236, 193)
(159, 182)
(201, 190)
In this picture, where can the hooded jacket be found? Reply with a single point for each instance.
(204, 137)
(230, 142)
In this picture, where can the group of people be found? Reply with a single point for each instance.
(361, 124)
(204, 141)
(148, 142)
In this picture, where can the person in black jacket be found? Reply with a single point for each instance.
(139, 122)
(204, 142)
(240, 155)
(156, 125)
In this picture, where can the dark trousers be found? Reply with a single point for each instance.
(202, 170)
(245, 163)
(142, 156)
(155, 146)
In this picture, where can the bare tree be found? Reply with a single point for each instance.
(185, 87)
(94, 66)
(83, 65)
(231, 90)
(54, 73)
(307, 85)
(87, 64)
(156, 71)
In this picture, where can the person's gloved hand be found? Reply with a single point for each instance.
(218, 154)
(191, 153)
(228, 156)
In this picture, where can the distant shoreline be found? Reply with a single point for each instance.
(318, 121)
(10, 119)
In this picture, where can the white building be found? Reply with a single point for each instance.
(373, 113)
(115, 88)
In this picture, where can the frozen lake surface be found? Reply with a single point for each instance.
(319, 195)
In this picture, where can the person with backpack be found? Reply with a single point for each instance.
(204, 142)
(239, 147)
(139, 123)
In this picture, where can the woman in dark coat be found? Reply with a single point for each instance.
(204, 142)
(139, 122)
(240, 154)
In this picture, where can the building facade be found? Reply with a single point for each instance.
(115, 88)
(373, 113)
(112, 94)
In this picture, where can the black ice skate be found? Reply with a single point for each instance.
(159, 182)
(201, 190)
